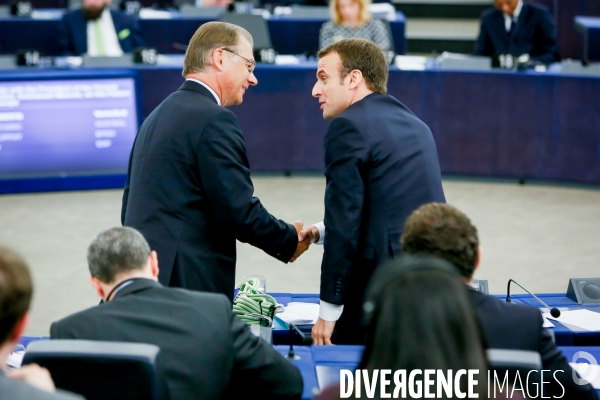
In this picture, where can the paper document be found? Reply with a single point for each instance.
(584, 319)
(588, 372)
(300, 313)
(15, 359)
(547, 323)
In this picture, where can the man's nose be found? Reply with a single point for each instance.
(316, 90)
(252, 79)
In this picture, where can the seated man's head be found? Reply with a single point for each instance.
(93, 9)
(442, 230)
(349, 70)
(507, 6)
(15, 296)
(118, 254)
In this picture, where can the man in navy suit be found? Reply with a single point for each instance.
(444, 231)
(97, 30)
(188, 189)
(381, 164)
(518, 28)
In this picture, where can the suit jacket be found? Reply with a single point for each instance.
(11, 389)
(72, 34)
(206, 351)
(381, 165)
(189, 193)
(519, 327)
(534, 34)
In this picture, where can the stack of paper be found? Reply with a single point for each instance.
(579, 319)
(300, 313)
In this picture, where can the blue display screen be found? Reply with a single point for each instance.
(66, 127)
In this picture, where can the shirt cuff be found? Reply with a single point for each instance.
(321, 228)
(330, 312)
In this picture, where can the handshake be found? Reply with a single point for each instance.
(306, 236)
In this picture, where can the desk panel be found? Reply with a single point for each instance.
(306, 366)
(497, 124)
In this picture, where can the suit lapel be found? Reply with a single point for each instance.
(80, 28)
(523, 16)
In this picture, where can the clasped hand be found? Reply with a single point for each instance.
(306, 236)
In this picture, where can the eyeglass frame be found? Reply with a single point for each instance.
(253, 63)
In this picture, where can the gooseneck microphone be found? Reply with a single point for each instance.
(555, 312)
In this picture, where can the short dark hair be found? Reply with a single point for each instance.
(442, 230)
(16, 291)
(364, 56)
(117, 250)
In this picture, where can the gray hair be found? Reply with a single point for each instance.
(117, 250)
(211, 36)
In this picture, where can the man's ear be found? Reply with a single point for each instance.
(153, 259)
(20, 327)
(479, 252)
(97, 286)
(356, 78)
(217, 59)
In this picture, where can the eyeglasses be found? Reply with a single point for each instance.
(252, 63)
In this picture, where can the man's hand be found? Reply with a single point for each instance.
(312, 233)
(34, 375)
(322, 331)
(302, 244)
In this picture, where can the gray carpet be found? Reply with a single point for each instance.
(538, 235)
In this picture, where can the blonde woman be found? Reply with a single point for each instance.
(352, 19)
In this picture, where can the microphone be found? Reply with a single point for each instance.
(306, 340)
(555, 312)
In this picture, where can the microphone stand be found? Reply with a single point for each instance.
(305, 341)
(555, 312)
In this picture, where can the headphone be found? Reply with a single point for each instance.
(394, 270)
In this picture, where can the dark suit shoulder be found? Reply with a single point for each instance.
(489, 14)
(508, 325)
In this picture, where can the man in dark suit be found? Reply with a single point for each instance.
(381, 164)
(30, 382)
(97, 30)
(444, 231)
(206, 351)
(518, 28)
(188, 188)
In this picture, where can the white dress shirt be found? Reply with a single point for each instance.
(508, 20)
(206, 86)
(107, 44)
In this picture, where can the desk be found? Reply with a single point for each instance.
(589, 27)
(288, 35)
(496, 124)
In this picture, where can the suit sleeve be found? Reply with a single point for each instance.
(258, 365)
(225, 178)
(545, 37)
(484, 46)
(346, 156)
(554, 360)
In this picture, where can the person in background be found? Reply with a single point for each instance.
(97, 30)
(420, 316)
(352, 19)
(442, 230)
(30, 382)
(518, 28)
(207, 352)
